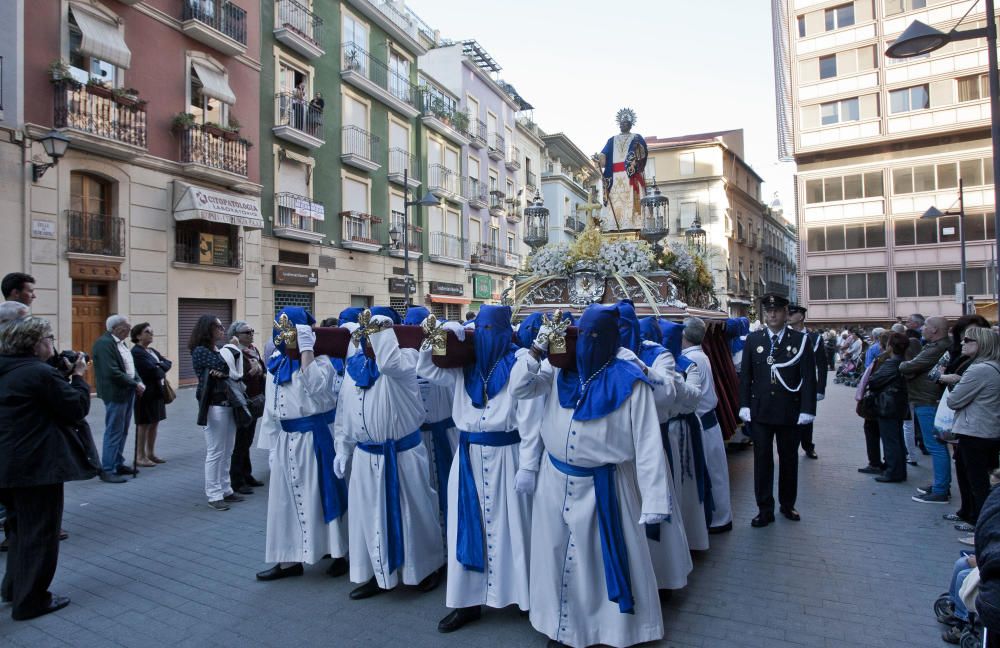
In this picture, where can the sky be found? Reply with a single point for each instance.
(684, 66)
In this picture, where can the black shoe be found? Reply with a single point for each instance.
(112, 478)
(56, 603)
(431, 582)
(233, 497)
(253, 481)
(243, 490)
(812, 454)
(723, 528)
(337, 568)
(63, 534)
(870, 470)
(885, 479)
(277, 572)
(665, 595)
(367, 590)
(790, 513)
(762, 520)
(459, 617)
(125, 470)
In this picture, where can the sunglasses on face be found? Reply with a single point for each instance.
(968, 339)
(245, 332)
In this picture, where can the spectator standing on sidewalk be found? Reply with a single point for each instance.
(151, 407)
(19, 287)
(924, 395)
(889, 387)
(118, 385)
(241, 470)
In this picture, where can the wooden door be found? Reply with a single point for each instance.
(91, 308)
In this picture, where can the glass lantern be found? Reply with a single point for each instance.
(536, 223)
(697, 238)
(655, 217)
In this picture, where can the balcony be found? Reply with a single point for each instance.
(513, 212)
(298, 121)
(477, 132)
(400, 25)
(497, 205)
(513, 160)
(414, 236)
(219, 24)
(448, 249)
(102, 122)
(401, 161)
(573, 225)
(294, 218)
(441, 115)
(100, 234)
(531, 181)
(492, 259)
(474, 191)
(497, 147)
(297, 28)
(212, 154)
(442, 182)
(358, 231)
(358, 148)
(363, 71)
(197, 248)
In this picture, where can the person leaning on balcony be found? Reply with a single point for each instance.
(924, 394)
(314, 122)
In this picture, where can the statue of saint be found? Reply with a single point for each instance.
(623, 161)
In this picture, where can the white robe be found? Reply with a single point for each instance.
(685, 485)
(389, 409)
(569, 596)
(296, 531)
(436, 401)
(506, 514)
(714, 444)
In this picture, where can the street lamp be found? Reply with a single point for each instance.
(655, 217)
(935, 213)
(919, 39)
(697, 238)
(536, 234)
(55, 145)
(429, 200)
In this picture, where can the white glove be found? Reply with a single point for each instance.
(652, 518)
(524, 481)
(455, 328)
(542, 339)
(307, 339)
(805, 419)
(340, 465)
(745, 414)
(820, 397)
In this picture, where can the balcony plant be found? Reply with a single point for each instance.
(99, 88)
(183, 121)
(460, 121)
(212, 128)
(59, 70)
(440, 110)
(127, 97)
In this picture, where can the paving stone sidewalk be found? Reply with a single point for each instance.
(149, 564)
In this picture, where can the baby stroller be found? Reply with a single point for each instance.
(850, 371)
(974, 635)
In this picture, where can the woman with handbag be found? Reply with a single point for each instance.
(866, 410)
(217, 371)
(241, 470)
(151, 407)
(975, 398)
(891, 406)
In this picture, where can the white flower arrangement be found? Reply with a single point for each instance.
(549, 260)
(683, 262)
(625, 257)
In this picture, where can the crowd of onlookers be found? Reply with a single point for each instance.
(927, 386)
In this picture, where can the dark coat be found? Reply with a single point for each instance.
(113, 384)
(769, 402)
(988, 559)
(150, 371)
(889, 387)
(43, 431)
(822, 367)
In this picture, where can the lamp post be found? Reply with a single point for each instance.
(429, 200)
(934, 213)
(919, 39)
(55, 145)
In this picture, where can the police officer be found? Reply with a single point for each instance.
(797, 322)
(777, 395)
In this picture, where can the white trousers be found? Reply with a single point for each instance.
(220, 436)
(909, 437)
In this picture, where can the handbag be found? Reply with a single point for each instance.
(256, 405)
(236, 395)
(169, 395)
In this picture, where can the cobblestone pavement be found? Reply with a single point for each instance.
(148, 563)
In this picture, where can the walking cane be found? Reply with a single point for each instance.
(135, 453)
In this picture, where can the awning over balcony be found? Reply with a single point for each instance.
(197, 203)
(213, 83)
(101, 38)
(448, 299)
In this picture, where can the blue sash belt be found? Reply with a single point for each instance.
(470, 520)
(609, 523)
(653, 530)
(442, 457)
(393, 512)
(709, 420)
(332, 490)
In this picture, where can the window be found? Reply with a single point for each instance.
(687, 164)
(909, 99)
(836, 112)
(893, 7)
(89, 195)
(209, 93)
(976, 172)
(973, 88)
(399, 76)
(839, 17)
(971, 172)
(510, 244)
(850, 187)
(686, 216)
(828, 66)
(918, 231)
(97, 49)
(355, 32)
(936, 283)
(355, 195)
(858, 285)
(801, 21)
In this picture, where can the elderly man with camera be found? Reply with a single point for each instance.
(44, 442)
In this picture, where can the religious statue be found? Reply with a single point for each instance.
(623, 161)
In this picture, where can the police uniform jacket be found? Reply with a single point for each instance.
(770, 402)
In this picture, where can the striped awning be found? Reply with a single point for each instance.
(101, 38)
(213, 83)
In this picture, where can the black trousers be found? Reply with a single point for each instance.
(240, 470)
(806, 437)
(873, 443)
(764, 437)
(980, 456)
(33, 545)
(891, 433)
(964, 488)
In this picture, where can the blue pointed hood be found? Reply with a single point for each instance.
(628, 326)
(389, 312)
(415, 315)
(281, 366)
(652, 337)
(494, 349)
(672, 335)
(350, 314)
(528, 330)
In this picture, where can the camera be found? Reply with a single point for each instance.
(65, 361)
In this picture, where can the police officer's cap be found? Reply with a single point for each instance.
(773, 300)
(797, 308)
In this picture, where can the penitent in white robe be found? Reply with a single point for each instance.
(436, 401)
(389, 409)
(671, 554)
(506, 514)
(569, 596)
(688, 389)
(714, 444)
(296, 531)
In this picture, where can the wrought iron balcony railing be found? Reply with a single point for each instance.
(221, 15)
(98, 111)
(357, 59)
(218, 150)
(289, 215)
(102, 234)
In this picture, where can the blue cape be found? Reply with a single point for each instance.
(609, 380)
(672, 334)
(649, 332)
(628, 326)
(415, 315)
(281, 366)
(737, 328)
(494, 355)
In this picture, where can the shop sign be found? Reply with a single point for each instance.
(444, 288)
(482, 286)
(283, 275)
(397, 285)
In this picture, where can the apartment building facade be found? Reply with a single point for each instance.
(569, 177)
(877, 142)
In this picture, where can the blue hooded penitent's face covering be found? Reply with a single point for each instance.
(598, 339)
(388, 312)
(494, 358)
(649, 330)
(628, 326)
(350, 315)
(415, 315)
